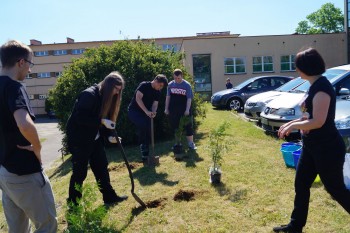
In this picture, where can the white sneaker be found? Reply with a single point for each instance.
(192, 146)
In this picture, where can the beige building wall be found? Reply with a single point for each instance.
(331, 46)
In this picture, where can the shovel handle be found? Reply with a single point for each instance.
(152, 135)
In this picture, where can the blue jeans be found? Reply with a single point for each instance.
(143, 125)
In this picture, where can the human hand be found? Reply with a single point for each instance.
(113, 139)
(154, 114)
(285, 130)
(187, 113)
(166, 112)
(149, 114)
(108, 123)
(37, 151)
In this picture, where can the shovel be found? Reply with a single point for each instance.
(152, 159)
(130, 175)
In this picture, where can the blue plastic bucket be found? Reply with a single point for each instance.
(296, 156)
(287, 153)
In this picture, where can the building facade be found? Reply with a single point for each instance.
(210, 57)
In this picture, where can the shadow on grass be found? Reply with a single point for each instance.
(63, 169)
(134, 213)
(232, 195)
(149, 176)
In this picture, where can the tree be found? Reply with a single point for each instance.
(137, 62)
(328, 19)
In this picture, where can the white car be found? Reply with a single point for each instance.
(256, 104)
(286, 107)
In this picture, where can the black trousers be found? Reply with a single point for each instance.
(175, 117)
(327, 160)
(143, 126)
(95, 155)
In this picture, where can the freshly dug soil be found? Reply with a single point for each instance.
(121, 166)
(156, 203)
(182, 195)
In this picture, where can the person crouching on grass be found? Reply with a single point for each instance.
(143, 107)
(94, 116)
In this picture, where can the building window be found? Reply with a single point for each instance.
(77, 51)
(41, 53)
(29, 76)
(44, 75)
(234, 65)
(171, 47)
(59, 52)
(58, 74)
(287, 63)
(31, 97)
(262, 64)
(42, 97)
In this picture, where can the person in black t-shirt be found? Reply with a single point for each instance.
(143, 107)
(94, 117)
(26, 190)
(323, 150)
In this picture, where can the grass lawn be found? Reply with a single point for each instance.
(256, 194)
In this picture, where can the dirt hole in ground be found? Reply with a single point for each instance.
(121, 166)
(159, 203)
(182, 195)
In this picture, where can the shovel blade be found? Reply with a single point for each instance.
(153, 161)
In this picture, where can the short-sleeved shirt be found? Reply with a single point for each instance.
(328, 130)
(13, 96)
(179, 93)
(149, 96)
(229, 85)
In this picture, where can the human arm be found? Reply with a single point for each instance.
(28, 130)
(84, 110)
(188, 106)
(321, 103)
(167, 101)
(139, 101)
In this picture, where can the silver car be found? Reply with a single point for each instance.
(286, 107)
(256, 104)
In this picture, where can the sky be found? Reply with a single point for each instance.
(51, 21)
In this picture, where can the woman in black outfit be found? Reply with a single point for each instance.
(93, 117)
(323, 148)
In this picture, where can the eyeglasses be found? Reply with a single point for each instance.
(31, 64)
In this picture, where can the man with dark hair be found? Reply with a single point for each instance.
(228, 84)
(143, 107)
(26, 190)
(178, 103)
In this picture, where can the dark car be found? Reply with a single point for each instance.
(236, 97)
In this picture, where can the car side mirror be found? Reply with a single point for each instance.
(344, 91)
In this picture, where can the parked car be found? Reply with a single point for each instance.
(236, 97)
(256, 104)
(286, 107)
(342, 120)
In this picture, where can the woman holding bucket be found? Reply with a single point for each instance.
(323, 148)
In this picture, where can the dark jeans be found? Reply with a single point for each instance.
(143, 126)
(175, 117)
(327, 160)
(94, 154)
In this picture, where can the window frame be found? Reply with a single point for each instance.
(234, 65)
(291, 59)
(60, 52)
(263, 64)
(81, 51)
(43, 53)
(39, 75)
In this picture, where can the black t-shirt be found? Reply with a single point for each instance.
(179, 93)
(328, 130)
(13, 96)
(149, 96)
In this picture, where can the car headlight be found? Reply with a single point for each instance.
(343, 123)
(284, 112)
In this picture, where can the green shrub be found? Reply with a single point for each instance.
(85, 217)
(137, 62)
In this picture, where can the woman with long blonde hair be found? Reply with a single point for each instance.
(94, 117)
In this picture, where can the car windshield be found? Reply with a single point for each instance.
(329, 74)
(290, 85)
(245, 83)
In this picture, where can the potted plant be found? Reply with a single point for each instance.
(217, 146)
(180, 138)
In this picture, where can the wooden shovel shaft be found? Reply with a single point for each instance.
(152, 136)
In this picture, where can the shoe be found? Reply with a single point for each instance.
(116, 200)
(287, 228)
(192, 146)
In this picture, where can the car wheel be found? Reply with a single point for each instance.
(235, 104)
